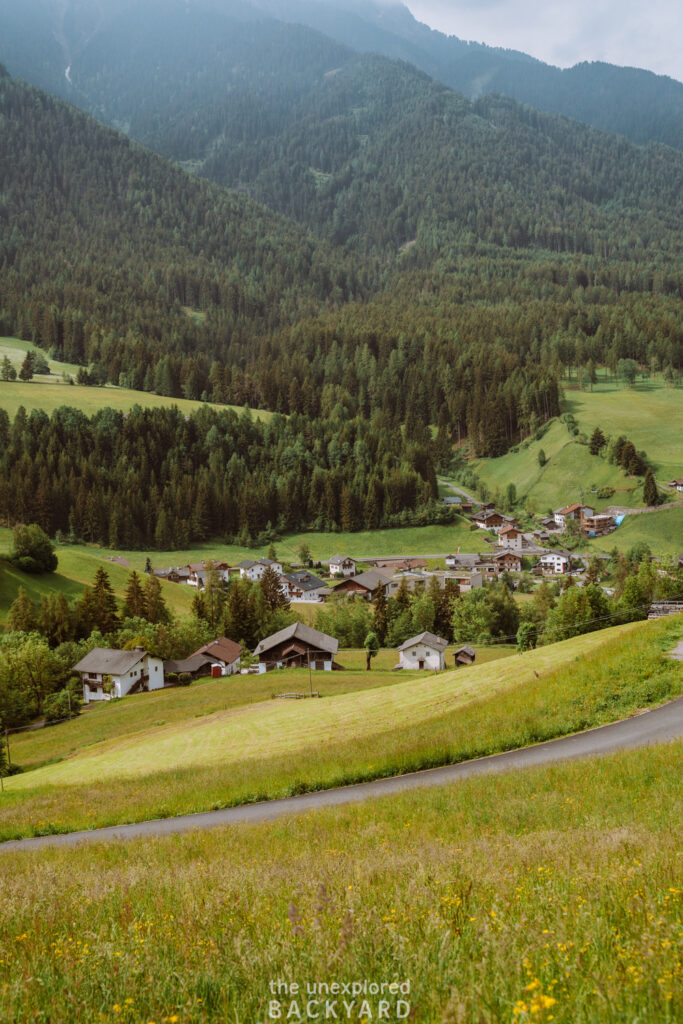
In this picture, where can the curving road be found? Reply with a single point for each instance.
(662, 725)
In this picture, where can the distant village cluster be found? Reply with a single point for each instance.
(108, 674)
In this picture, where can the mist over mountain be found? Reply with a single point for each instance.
(86, 51)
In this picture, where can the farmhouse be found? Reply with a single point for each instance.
(464, 656)
(178, 574)
(224, 655)
(676, 485)
(577, 512)
(425, 651)
(340, 565)
(304, 586)
(253, 571)
(400, 564)
(555, 562)
(367, 584)
(107, 674)
(197, 573)
(297, 646)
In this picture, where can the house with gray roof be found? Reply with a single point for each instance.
(304, 586)
(425, 651)
(107, 674)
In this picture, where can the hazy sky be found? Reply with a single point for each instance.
(636, 33)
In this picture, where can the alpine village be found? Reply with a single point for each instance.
(341, 514)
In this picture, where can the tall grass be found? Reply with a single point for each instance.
(551, 894)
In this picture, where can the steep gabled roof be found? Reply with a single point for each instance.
(428, 639)
(221, 649)
(299, 631)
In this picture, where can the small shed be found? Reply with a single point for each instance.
(464, 656)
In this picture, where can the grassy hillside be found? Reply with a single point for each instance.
(649, 414)
(35, 395)
(274, 748)
(548, 894)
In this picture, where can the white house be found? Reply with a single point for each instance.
(253, 571)
(304, 586)
(557, 562)
(197, 573)
(425, 651)
(107, 674)
(340, 565)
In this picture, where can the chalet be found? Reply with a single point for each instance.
(224, 655)
(464, 656)
(466, 561)
(577, 512)
(508, 561)
(178, 574)
(253, 571)
(466, 581)
(548, 523)
(598, 525)
(107, 674)
(367, 584)
(555, 562)
(304, 586)
(676, 485)
(511, 537)
(492, 520)
(297, 646)
(197, 573)
(341, 565)
(425, 651)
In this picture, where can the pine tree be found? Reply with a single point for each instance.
(106, 613)
(22, 616)
(26, 370)
(650, 492)
(7, 371)
(134, 598)
(273, 591)
(597, 442)
(154, 607)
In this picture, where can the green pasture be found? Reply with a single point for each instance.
(141, 712)
(661, 530)
(550, 894)
(650, 414)
(275, 748)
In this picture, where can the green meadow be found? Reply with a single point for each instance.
(274, 748)
(542, 895)
(49, 392)
(650, 414)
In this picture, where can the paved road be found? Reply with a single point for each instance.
(659, 726)
(459, 490)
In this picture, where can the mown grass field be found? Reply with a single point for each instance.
(548, 894)
(278, 748)
(139, 713)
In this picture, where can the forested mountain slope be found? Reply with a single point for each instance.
(103, 243)
(97, 54)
